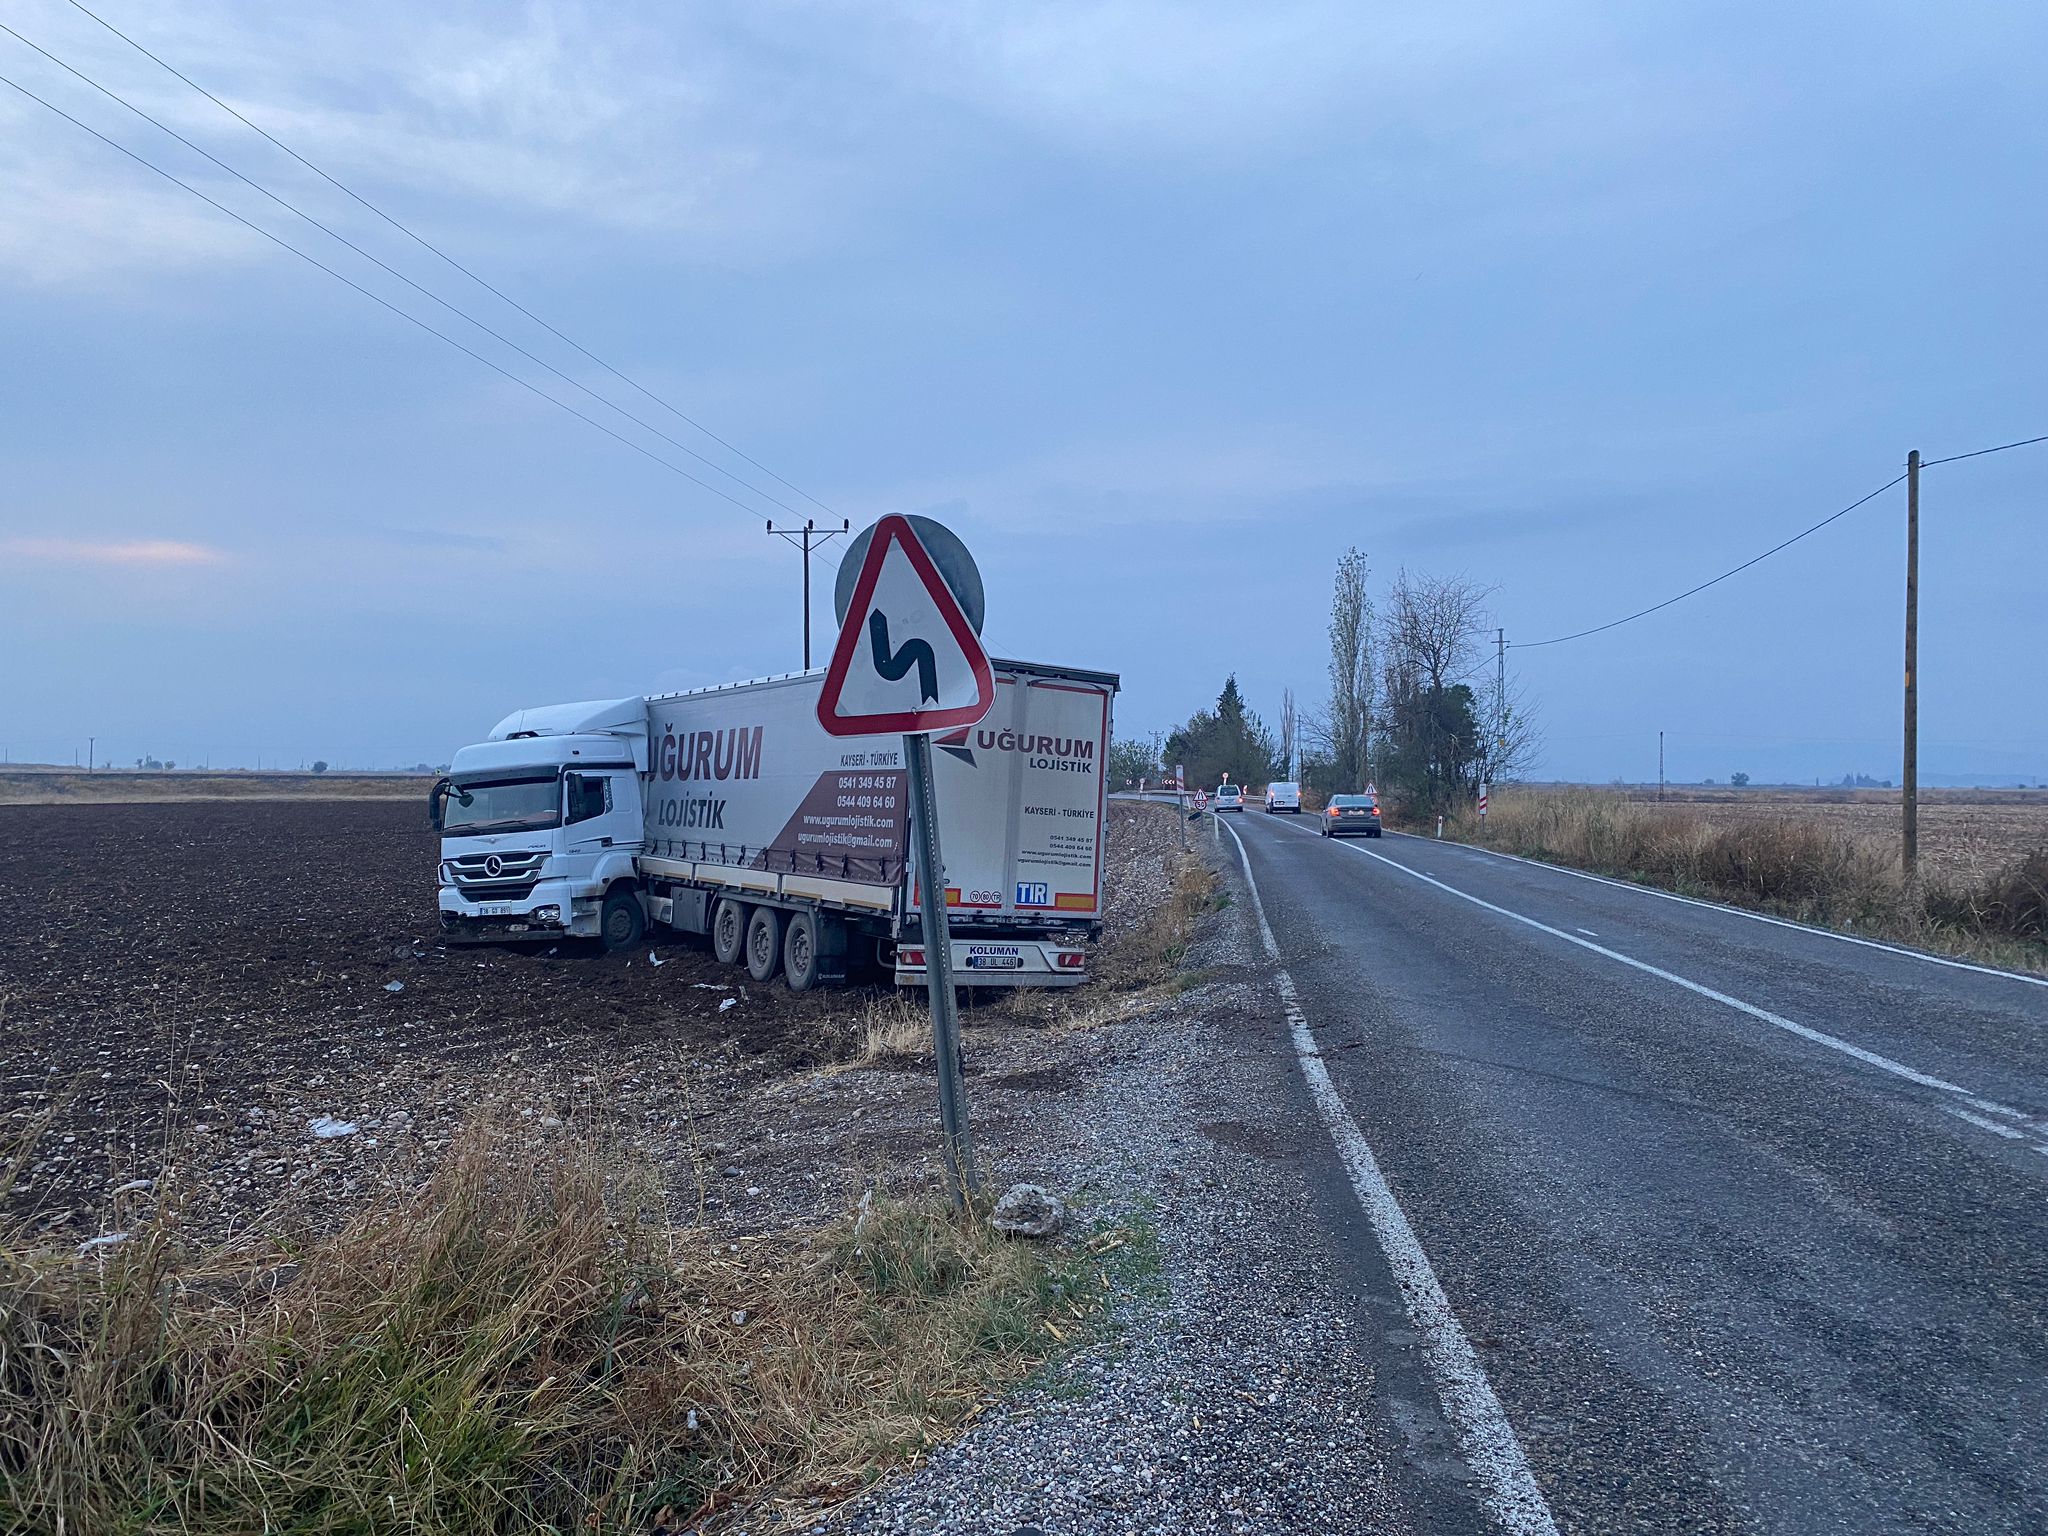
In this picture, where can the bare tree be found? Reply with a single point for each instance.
(1430, 716)
(1289, 763)
(1351, 672)
(1435, 626)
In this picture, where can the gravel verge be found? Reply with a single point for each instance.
(1233, 1392)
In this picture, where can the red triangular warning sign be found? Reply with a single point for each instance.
(907, 659)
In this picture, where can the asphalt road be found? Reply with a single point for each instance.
(1731, 1225)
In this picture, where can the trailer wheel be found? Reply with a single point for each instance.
(622, 923)
(764, 943)
(728, 931)
(801, 952)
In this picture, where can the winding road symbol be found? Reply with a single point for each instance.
(903, 626)
(894, 664)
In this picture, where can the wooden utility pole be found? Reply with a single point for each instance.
(1909, 778)
(1660, 765)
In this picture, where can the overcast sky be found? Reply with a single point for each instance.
(1159, 306)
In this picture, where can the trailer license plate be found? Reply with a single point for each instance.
(995, 962)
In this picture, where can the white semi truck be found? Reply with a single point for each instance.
(730, 812)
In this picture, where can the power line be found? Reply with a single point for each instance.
(427, 244)
(386, 267)
(2025, 442)
(1978, 453)
(375, 298)
(1691, 591)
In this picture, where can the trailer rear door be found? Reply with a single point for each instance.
(1023, 802)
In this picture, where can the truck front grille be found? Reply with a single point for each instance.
(496, 876)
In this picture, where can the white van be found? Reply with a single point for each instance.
(1284, 796)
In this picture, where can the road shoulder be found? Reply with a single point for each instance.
(1268, 1378)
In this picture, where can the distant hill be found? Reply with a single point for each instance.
(1984, 780)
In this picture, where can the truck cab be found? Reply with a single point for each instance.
(541, 824)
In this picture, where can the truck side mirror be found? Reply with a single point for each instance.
(437, 797)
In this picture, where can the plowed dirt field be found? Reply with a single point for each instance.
(199, 984)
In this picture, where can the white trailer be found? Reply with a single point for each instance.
(730, 812)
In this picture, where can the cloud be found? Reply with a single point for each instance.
(136, 552)
(437, 538)
(578, 122)
(761, 132)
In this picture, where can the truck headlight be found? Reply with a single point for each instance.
(547, 914)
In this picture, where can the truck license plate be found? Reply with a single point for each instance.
(995, 962)
(496, 909)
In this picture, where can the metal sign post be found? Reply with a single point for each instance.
(909, 659)
(956, 1147)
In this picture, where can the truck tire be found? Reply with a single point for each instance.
(801, 951)
(764, 943)
(728, 931)
(622, 923)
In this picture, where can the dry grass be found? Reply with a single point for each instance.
(129, 787)
(1157, 949)
(1963, 842)
(1147, 954)
(895, 1031)
(524, 1343)
(1801, 860)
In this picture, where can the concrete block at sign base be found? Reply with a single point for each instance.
(1029, 1210)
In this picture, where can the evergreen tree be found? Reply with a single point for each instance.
(1228, 739)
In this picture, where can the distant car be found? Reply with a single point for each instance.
(1284, 796)
(1349, 815)
(1230, 797)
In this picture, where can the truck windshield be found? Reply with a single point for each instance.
(502, 805)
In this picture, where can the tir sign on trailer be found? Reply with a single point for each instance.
(907, 658)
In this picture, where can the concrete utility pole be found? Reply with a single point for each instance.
(92, 744)
(1909, 849)
(1500, 694)
(1660, 765)
(803, 538)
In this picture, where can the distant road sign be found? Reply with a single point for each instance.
(908, 658)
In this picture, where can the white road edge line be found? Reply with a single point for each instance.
(1485, 1436)
(1985, 1122)
(1805, 1032)
(1818, 1037)
(1723, 907)
(1754, 917)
